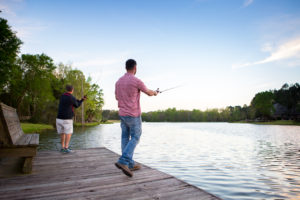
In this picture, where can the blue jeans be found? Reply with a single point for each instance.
(131, 133)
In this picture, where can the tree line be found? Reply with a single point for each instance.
(33, 83)
(264, 106)
(230, 113)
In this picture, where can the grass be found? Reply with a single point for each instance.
(88, 124)
(35, 128)
(97, 123)
(112, 121)
(39, 128)
(276, 122)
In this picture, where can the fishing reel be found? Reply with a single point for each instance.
(158, 91)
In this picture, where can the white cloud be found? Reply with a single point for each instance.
(263, 86)
(248, 3)
(6, 10)
(100, 68)
(24, 27)
(97, 62)
(288, 50)
(293, 63)
(279, 28)
(10, 8)
(86, 60)
(267, 47)
(27, 32)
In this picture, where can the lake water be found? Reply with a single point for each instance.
(232, 161)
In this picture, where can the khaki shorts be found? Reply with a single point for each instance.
(64, 126)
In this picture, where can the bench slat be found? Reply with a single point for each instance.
(7, 107)
(18, 152)
(15, 133)
(28, 140)
(21, 140)
(24, 140)
(34, 140)
(12, 122)
(5, 139)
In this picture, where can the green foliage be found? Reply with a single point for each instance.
(9, 48)
(82, 86)
(288, 96)
(210, 115)
(263, 104)
(110, 115)
(94, 103)
(36, 87)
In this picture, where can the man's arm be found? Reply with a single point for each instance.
(76, 103)
(144, 89)
(151, 92)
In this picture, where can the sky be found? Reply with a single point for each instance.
(220, 52)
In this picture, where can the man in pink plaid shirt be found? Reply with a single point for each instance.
(128, 89)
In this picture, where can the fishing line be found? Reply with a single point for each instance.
(161, 91)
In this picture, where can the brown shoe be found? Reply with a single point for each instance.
(136, 167)
(124, 169)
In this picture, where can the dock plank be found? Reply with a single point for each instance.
(91, 174)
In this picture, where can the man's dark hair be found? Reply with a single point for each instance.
(130, 64)
(69, 88)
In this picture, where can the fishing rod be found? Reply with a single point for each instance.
(161, 91)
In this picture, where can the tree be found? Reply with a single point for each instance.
(9, 48)
(94, 102)
(263, 104)
(30, 89)
(288, 96)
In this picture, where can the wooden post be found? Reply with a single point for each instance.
(27, 166)
(82, 106)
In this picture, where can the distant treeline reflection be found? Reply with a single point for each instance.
(268, 105)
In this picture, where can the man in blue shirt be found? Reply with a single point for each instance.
(64, 120)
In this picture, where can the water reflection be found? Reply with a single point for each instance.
(233, 161)
(81, 139)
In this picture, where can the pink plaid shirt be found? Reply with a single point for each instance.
(128, 89)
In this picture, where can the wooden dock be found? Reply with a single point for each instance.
(91, 174)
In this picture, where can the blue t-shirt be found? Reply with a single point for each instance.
(66, 106)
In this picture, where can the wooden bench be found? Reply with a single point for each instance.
(13, 141)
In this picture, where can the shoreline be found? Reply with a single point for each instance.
(276, 122)
(40, 128)
(90, 124)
